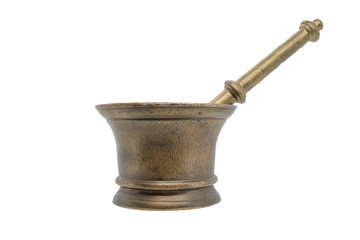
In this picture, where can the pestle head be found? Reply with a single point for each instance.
(319, 23)
(312, 28)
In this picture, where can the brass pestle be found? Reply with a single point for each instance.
(166, 151)
(235, 91)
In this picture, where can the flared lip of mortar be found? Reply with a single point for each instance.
(165, 110)
(162, 104)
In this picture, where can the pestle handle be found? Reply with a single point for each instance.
(235, 91)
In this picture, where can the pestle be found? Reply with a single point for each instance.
(235, 91)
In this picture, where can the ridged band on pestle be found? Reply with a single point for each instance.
(236, 90)
(166, 185)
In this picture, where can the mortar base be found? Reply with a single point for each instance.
(166, 200)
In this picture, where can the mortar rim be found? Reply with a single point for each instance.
(162, 105)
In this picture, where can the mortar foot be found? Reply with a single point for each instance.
(166, 199)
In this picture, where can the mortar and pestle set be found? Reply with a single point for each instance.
(166, 151)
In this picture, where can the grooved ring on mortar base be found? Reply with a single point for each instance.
(166, 185)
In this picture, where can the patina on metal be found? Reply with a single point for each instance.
(166, 151)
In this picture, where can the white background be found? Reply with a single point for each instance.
(288, 160)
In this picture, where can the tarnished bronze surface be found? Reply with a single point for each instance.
(166, 151)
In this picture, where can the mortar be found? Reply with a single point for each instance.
(166, 151)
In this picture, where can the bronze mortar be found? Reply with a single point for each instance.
(166, 151)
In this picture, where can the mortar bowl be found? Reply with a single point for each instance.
(166, 153)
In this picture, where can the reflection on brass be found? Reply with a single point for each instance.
(166, 151)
